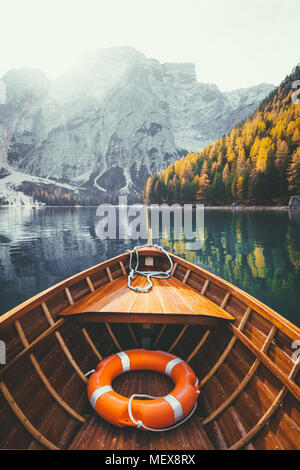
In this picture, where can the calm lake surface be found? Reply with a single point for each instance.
(258, 251)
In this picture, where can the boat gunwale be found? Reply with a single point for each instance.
(284, 325)
(228, 291)
(289, 328)
(46, 294)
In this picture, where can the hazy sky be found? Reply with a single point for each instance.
(234, 43)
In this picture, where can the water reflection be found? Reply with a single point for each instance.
(257, 251)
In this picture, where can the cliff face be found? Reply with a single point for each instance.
(113, 119)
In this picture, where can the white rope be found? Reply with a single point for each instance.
(90, 372)
(148, 274)
(139, 424)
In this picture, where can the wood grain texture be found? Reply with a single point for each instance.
(290, 384)
(65, 406)
(97, 434)
(24, 420)
(251, 397)
(167, 296)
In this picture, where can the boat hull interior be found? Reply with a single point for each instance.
(241, 351)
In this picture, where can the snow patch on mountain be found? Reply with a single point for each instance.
(113, 119)
(11, 193)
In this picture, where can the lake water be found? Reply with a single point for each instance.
(258, 251)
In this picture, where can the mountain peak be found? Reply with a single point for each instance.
(25, 84)
(114, 118)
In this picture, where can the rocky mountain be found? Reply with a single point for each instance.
(257, 163)
(112, 120)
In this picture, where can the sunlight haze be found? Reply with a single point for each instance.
(233, 43)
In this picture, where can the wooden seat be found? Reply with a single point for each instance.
(169, 300)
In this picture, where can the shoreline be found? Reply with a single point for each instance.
(251, 208)
(227, 208)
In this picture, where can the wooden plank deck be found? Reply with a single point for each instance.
(168, 300)
(97, 434)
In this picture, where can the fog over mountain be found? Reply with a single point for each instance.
(111, 121)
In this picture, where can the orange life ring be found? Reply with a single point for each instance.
(151, 414)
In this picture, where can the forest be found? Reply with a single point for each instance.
(258, 163)
(52, 195)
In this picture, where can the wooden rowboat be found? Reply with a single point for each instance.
(242, 352)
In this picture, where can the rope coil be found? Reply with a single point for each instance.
(133, 271)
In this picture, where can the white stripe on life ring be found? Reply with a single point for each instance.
(98, 392)
(125, 360)
(172, 364)
(176, 406)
